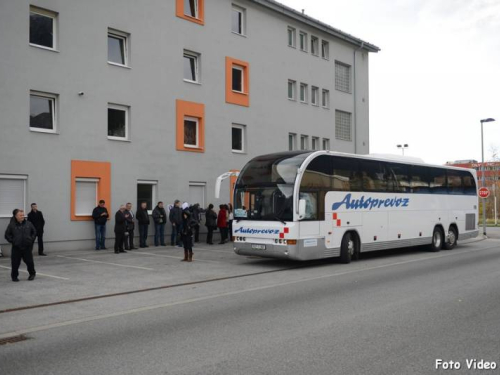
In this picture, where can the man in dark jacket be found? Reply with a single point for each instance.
(130, 226)
(187, 235)
(21, 234)
(196, 211)
(143, 219)
(175, 217)
(100, 216)
(210, 222)
(35, 217)
(160, 219)
(120, 229)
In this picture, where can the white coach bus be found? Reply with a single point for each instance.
(311, 205)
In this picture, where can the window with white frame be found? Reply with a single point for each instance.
(191, 132)
(43, 27)
(325, 98)
(342, 77)
(292, 141)
(85, 196)
(303, 41)
(147, 192)
(304, 142)
(343, 125)
(191, 8)
(238, 20)
(315, 96)
(237, 84)
(326, 144)
(118, 48)
(291, 37)
(43, 107)
(325, 49)
(238, 138)
(303, 93)
(314, 45)
(12, 194)
(292, 88)
(315, 143)
(118, 122)
(191, 67)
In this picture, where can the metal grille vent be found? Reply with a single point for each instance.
(470, 221)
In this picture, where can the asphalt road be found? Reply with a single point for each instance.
(390, 313)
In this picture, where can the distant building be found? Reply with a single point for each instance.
(491, 169)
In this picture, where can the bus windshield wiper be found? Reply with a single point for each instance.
(279, 219)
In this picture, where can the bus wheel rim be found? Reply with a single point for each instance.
(437, 239)
(350, 247)
(451, 237)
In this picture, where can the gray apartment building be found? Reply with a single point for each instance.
(152, 100)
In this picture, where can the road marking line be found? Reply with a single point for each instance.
(179, 258)
(227, 294)
(39, 274)
(112, 264)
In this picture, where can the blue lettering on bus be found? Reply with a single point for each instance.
(257, 231)
(370, 203)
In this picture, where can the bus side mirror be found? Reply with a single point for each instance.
(302, 209)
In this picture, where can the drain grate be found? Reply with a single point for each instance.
(13, 339)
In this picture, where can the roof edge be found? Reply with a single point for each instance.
(292, 13)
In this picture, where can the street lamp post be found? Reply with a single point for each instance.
(483, 179)
(402, 147)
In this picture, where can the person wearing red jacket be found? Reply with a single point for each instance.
(222, 223)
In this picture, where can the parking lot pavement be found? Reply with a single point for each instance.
(68, 275)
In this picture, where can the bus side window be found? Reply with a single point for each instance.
(373, 176)
(437, 181)
(469, 183)
(345, 174)
(419, 180)
(454, 184)
(398, 178)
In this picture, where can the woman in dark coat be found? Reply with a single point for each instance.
(222, 223)
(188, 224)
(210, 223)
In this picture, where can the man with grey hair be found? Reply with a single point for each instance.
(21, 234)
(120, 229)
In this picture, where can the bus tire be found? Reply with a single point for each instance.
(452, 238)
(348, 248)
(437, 240)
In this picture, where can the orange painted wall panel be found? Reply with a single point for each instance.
(233, 97)
(179, 11)
(190, 109)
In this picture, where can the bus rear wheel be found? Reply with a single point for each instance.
(349, 248)
(451, 240)
(437, 240)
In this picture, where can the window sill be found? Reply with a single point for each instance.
(34, 130)
(45, 48)
(294, 47)
(193, 82)
(315, 105)
(345, 92)
(118, 139)
(326, 58)
(235, 33)
(292, 100)
(238, 152)
(119, 65)
(240, 93)
(314, 54)
(326, 107)
(304, 103)
(304, 50)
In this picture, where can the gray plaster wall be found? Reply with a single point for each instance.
(150, 87)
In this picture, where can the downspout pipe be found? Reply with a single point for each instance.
(355, 128)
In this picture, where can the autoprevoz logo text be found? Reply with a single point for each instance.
(256, 231)
(370, 203)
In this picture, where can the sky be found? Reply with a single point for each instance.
(436, 76)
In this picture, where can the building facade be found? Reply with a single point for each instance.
(152, 101)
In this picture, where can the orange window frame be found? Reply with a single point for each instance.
(195, 110)
(90, 169)
(179, 10)
(233, 97)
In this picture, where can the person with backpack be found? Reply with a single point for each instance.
(188, 224)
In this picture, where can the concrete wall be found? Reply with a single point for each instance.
(150, 87)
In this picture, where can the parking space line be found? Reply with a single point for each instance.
(178, 258)
(39, 274)
(111, 264)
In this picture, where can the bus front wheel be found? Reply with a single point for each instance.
(348, 248)
(437, 240)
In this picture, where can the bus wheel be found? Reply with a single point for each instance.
(437, 240)
(451, 240)
(348, 248)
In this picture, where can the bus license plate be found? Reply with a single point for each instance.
(259, 247)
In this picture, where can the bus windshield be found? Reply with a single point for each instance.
(264, 190)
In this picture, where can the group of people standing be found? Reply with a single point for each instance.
(185, 223)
